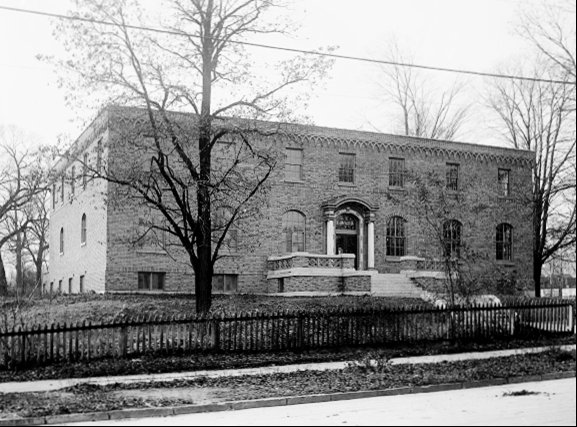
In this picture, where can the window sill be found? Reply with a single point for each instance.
(151, 252)
(506, 263)
(234, 254)
(61, 253)
(294, 181)
(347, 184)
(390, 258)
(83, 244)
(506, 198)
(454, 193)
(397, 189)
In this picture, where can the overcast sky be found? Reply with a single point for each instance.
(473, 35)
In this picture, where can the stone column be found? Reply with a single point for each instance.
(330, 218)
(370, 242)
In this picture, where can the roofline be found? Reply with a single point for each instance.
(313, 130)
(70, 153)
(303, 130)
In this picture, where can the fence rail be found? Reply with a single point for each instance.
(254, 332)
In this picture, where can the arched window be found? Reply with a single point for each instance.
(222, 217)
(452, 238)
(62, 240)
(83, 229)
(504, 241)
(396, 237)
(293, 227)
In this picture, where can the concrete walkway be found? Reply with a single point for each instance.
(48, 385)
(537, 403)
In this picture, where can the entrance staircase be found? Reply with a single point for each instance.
(395, 285)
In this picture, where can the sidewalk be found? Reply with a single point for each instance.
(48, 385)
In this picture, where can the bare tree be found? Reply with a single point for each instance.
(35, 237)
(424, 111)
(539, 116)
(446, 219)
(551, 30)
(20, 181)
(198, 68)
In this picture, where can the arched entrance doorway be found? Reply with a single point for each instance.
(347, 235)
(349, 227)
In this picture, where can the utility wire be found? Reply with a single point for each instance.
(287, 49)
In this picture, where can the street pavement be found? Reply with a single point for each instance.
(543, 403)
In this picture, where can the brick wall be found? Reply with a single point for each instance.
(358, 284)
(78, 259)
(260, 235)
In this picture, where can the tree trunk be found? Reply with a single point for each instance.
(38, 265)
(537, 274)
(3, 281)
(203, 286)
(537, 237)
(19, 273)
(203, 275)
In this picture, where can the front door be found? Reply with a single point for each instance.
(348, 244)
(347, 236)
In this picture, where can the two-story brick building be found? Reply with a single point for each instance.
(338, 215)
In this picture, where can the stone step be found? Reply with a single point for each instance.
(394, 285)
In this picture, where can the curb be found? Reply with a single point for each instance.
(275, 401)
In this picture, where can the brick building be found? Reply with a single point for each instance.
(338, 215)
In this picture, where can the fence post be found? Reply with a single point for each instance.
(123, 342)
(22, 346)
(512, 316)
(216, 331)
(300, 331)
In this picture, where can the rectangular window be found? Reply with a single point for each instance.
(53, 196)
(225, 283)
(452, 176)
(347, 168)
(85, 170)
(504, 242)
(504, 183)
(294, 164)
(60, 286)
(70, 285)
(62, 189)
(72, 179)
(98, 155)
(396, 172)
(151, 281)
(231, 240)
(148, 153)
(81, 285)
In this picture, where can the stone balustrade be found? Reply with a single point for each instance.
(304, 272)
(306, 260)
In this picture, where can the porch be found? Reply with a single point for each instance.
(305, 272)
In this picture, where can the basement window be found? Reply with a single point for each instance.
(148, 281)
(225, 283)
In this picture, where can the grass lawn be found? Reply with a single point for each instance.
(360, 376)
(105, 308)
